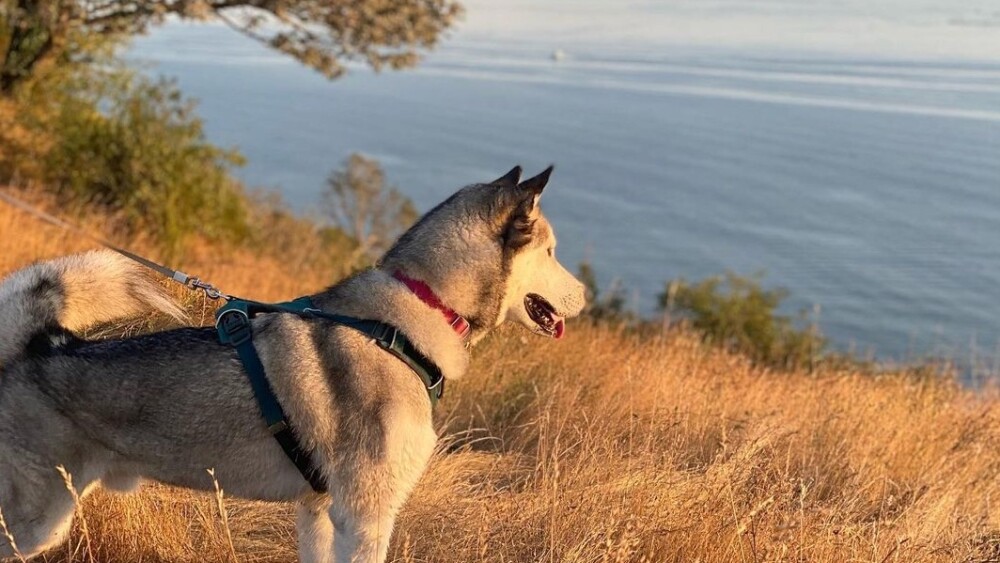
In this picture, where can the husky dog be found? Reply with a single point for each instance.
(169, 405)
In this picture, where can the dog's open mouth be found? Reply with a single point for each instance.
(544, 315)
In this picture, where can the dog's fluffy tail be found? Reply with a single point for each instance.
(72, 293)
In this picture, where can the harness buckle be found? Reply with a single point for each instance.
(235, 324)
(436, 384)
(279, 426)
(385, 335)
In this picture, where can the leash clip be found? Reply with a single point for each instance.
(210, 290)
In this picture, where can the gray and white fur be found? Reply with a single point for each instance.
(169, 405)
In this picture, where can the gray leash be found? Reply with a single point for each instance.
(187, 281)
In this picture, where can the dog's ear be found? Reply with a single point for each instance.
(521, 225)
(536, 184)
(529, 192)
(509, 179)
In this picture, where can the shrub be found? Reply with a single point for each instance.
(607, 305)
(101, 134)
(147, 157)
(738, 313)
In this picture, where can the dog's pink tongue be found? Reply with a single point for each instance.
(560, 328)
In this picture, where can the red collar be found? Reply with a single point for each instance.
(427, 295)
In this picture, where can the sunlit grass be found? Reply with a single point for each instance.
(610, 447)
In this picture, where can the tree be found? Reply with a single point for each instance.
(322, 34)
(359, 202)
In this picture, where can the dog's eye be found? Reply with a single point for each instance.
(552, 251)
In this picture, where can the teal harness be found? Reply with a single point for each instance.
(233, 323)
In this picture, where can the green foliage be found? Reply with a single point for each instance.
(26, 37)
(321, 34)
(75, 121)
(146, 156)
(96, 133)
(738, 313)
(603, 305)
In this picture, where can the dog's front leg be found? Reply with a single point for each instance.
(314, 530)
(362, 536)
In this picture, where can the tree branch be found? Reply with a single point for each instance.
(320, 34)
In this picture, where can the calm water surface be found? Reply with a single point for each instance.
(867, 185)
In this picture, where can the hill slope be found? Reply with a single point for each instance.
(610, 447)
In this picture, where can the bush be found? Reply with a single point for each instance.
(738, 313)
(101, 134)
(607, 305)
(146, 156)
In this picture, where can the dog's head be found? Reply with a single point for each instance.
(488, 252)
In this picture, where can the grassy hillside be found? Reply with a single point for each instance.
(611, 447)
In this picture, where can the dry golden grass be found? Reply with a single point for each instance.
(25, 239)
(608, 447)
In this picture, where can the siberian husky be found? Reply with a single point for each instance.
(169, 405)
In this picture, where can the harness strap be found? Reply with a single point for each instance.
(234, 329)
(388, 337)
(233, 324)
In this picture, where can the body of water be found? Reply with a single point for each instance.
(865, 182)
